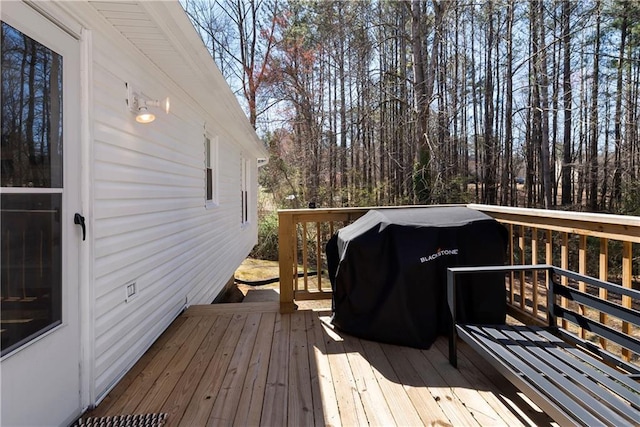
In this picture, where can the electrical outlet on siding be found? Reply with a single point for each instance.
(131, 291)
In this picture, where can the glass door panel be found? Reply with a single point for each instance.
(31, 180)
(31, 266)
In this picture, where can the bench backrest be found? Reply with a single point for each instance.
(587, 311)
(583, 310)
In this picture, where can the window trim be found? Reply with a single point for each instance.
(211, 163)
(245, 211)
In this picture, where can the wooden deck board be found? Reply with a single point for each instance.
(176, 405)
(300, 401)
(249, 365)
(134, 394)
(107, 404)
(350, 406)
(250, 404)
(474, 376)
(274, 408)
(473, 400)
(325, 409)
(424, 399)
(228, 398)
(409, 409)
(369, 391)
(164, 384)
(470, 363)
(201, 403)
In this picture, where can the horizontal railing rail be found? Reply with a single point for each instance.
(302, 238)
(603, 246)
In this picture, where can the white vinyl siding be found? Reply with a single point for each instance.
(143, 189)
(150, 225)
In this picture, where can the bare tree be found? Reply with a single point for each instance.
(567, 147)
(245, 51)
(592, 156)
(398, 102)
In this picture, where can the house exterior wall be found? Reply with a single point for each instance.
(148, 220)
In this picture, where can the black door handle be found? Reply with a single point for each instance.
(79, 219)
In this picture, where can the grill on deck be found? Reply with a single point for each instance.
(388, 273)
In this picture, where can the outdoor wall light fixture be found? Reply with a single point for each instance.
(139, 105)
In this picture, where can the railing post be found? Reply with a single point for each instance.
(286, 229)
(627, 255)
(604, 276)
(582, 269)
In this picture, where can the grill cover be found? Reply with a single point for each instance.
(388, 272)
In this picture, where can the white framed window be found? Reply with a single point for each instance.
(244, 189)
(211, 170)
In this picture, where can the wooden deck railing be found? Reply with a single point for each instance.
(295, 239)
(602, 246)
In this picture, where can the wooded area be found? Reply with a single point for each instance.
(514, 102)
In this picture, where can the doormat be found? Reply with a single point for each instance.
(142, 420)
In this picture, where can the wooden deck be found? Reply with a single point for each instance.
(246, 364)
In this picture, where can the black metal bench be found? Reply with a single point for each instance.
(571, 379)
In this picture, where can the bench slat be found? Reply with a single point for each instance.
(622, 385)
(574, 370)
(567, 392)
(566, 376)
(543, 390)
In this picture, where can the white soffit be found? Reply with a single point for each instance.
(161, 31)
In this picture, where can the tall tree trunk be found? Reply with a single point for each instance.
(534, 114)
(424, 78)
(489, 195)
(422, 177)
(592, 157)
(616, 196)
(443, 155)
(507, 170)
(55, 102)
(555, 107)
(31, 105)
(479, 171)
(633, 118)
(344, 177)
(582, 136)
(605, 164)
(567, 146)
(384, 112)
(332, 90)
(403, 167)
(543, 78)
(456, 136)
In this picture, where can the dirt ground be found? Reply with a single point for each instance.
(258, 271)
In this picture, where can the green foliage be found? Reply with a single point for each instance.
(365, 197)
(451, 191)
(267, 247)
(422, 178)
(280, 177)
(631, 201)
(626, 13)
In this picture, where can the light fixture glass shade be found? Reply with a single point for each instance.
(139, 104)
(144, 116)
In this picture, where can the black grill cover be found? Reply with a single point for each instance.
(388, 272)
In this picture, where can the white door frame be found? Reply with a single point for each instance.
(77, 303)
(87, 296)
